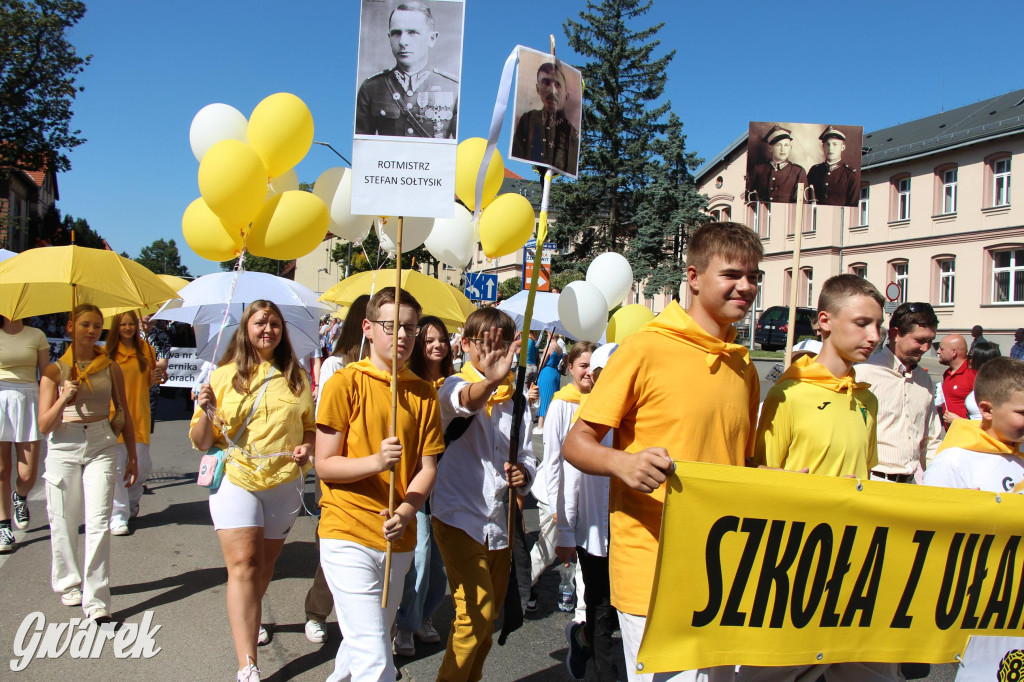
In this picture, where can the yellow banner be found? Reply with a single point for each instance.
(777, 568)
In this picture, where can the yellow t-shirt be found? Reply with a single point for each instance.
(19, 355)
(675, 386)
(812, 419)
(136, 386)
(357, 402)
(278, 425)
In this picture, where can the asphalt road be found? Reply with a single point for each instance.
(171, 566)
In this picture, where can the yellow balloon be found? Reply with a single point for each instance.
(233, 181)
(289, 225)
(506, 225)
(626, 320)
(468, 157)
(281, 132)
(207, 235)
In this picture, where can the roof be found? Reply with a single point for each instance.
(720, 157)
(512, 175)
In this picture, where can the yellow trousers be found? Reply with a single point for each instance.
(478, 578)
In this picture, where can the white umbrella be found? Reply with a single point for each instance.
(205, 300)
(5, 254)
(545, 312)
(304, 335)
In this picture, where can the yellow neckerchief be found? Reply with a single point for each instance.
(576, 414)
(367, 367)
(676, 323)
(969, 435)
(806, 369)
(98, 364)
(438, 382)
(501, 394)
(569, 393)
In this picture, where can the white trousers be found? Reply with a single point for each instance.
(355, 575)
(79, 474)
(126, 500)
(543, 553)
(632, 628)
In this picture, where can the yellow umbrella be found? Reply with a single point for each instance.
(176, 283)
(436, 297)
(47, 279)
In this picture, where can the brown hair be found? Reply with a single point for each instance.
(418, 359)
(483, 319)
(730, 241)
(79, 310)
(910, 315)
(114, 342)
(350, 339)
(998, 379)
(245, 358)
(387, 297)
(578, 349)
(841, 288)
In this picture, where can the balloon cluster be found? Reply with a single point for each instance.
(583, 306)
(249, 192)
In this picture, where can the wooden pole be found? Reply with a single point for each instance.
(795, 279)
(393, 428)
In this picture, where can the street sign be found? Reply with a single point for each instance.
(529, 256)
(481, 286)
(890, 307)
(893, 291)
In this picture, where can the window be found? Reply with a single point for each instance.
(759, 301)
(807, 274)
(761, 219)
(787, 283)
(859, 270)
(862, 206)
(1008, 276)
(901, 275)
(947, 280)
(1001, 182)
(721, 213)
(901, 207)
(948, 195)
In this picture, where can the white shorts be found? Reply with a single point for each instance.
(19, 408)
(274, 510)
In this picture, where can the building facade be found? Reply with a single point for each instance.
(24, 194)
(938, 215)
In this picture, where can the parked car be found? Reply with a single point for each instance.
(773, 325)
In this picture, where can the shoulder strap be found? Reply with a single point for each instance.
(252, 412)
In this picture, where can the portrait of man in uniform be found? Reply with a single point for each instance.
(834, 183)
(415, 97)
(776, 179)
(548, 94)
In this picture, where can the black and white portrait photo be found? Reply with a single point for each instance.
(410, 61)
(548, 112)
(825, 158)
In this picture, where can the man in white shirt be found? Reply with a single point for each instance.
(909, 428)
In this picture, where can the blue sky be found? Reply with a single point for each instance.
(156, 64)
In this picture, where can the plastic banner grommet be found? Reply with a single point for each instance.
(639, 667)
(998, 499)
(860, 486)
(820, 656)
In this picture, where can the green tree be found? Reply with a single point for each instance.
(52, 229)
(622, 117)
(670, 208)
(257, 264)
(369, 256)
(162, 258)
(38, 67)
(507, 288)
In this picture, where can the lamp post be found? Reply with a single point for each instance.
(348, 259)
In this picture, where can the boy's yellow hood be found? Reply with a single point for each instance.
(367, 367)
(968, 434)
(676, 323)
(807, 370)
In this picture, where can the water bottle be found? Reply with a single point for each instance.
(566, 587)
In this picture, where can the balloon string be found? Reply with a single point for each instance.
(239, 268)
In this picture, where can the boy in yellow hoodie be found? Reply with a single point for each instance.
(677, 389)
(819, 419)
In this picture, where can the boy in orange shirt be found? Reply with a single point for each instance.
(677, 389)
(353, 421)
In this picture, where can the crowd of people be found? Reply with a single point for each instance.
(857, 403)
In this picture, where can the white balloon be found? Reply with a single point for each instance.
(334, 186)
(583, 311)
(286, 182)
(611, 273)
(215, 123)
(414, 232)
(453, 240)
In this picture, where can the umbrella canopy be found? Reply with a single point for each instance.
(5, 254)
(42, 281)
(436, 297)
(205, 300)
(176, 283)
(304, 335)
(545, 312)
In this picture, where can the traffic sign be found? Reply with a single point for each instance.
(481, 286)
(529, 256)
(893, 291)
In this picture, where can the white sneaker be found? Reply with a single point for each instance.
(427, 633)
(121, 529)
(263, 637)
(71, 597)
(249, 673)
(538, 431)
(404, 644)
(99, 613)
(315, 632)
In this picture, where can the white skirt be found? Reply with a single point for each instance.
(19, 410)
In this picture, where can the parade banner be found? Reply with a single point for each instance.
(183, 368)
(765, 567)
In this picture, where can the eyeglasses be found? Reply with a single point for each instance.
(389, 327)
(479, 342)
